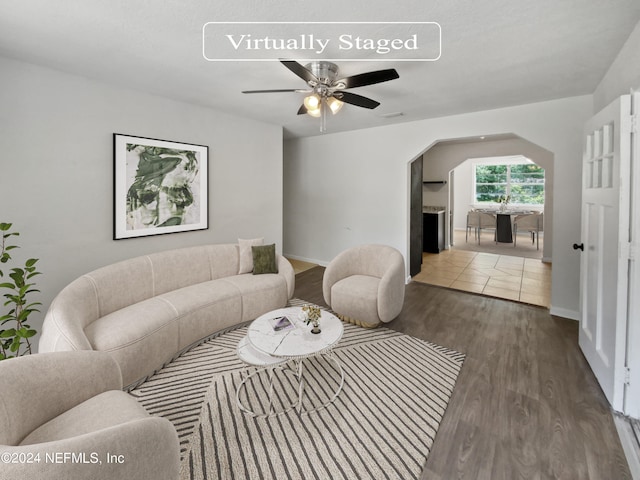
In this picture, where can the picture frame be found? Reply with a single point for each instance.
(160, 186)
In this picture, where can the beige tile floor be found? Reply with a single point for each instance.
(525, 280)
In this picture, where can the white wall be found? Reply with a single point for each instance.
(353, 187)
(463, 196)
(56, 170)
(623, 74)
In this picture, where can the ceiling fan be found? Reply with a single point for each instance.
(327, 91)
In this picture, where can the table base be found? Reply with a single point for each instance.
(298, 373)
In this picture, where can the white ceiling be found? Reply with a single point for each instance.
(495, 53)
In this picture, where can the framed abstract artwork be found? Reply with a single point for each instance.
(159, 187)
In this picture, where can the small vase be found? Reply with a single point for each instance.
(503, 207)
(316, 328)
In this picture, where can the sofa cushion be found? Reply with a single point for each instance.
(130, 324)
(356, 297)
(149, 326)
(204, 309)
(264, 259)
(246, 257)
(121, 284)
(70, 312)
(260, 293)
(102, 411)
(223, 260)
(178, 268)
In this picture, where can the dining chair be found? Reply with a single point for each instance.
(473, 221)
(530, 222)
(487, 222)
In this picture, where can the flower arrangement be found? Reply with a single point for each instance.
(312, 315)
(504, 199)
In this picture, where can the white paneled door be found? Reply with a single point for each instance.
(605, 246)
(632, 390)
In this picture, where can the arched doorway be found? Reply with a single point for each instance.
(444, 156)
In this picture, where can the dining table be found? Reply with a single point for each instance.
(504, 222)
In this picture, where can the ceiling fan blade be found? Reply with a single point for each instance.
(357, 100)
(369, 78)
(275, 91)
(302, 110)
(300, 70)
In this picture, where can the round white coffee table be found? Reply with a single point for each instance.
(265, 347)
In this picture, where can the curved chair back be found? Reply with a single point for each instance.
(382, 262)
(487, 220)
(527, 221)
(67, 378)
(72, 402)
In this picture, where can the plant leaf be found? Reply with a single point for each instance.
(31, 262)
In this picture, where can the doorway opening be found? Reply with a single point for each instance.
(519, 270)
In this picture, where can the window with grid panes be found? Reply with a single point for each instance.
(522, 182)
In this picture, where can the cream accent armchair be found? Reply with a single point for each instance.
(365, 284)
(64, 415)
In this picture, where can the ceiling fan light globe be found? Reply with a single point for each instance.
(334, 104)
(312, 102)
(316, 112)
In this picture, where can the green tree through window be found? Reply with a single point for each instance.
(523, 182)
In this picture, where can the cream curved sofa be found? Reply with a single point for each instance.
(146, 310)
(365, 284)
(64, 415)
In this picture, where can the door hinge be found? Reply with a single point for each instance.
(630, 124)
(627, 375)
(627, 251)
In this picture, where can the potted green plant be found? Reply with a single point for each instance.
(14, 329)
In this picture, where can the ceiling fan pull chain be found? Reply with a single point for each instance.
(323, 115)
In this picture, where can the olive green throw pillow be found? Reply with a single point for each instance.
(264, 259)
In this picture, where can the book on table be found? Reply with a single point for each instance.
(281, 323)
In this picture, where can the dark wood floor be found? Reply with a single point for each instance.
(526, 404)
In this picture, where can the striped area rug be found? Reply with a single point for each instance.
(382, 424)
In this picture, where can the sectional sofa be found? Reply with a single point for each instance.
(146, 310)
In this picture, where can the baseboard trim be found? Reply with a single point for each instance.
(564, 313)
(629, 444)
(322, 263)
